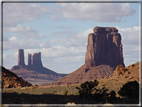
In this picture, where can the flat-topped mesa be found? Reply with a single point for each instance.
(21, 58)
(37, 60)
(104, 47)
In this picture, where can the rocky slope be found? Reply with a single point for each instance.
(104, 53)
(11, 80)
(32, 75)
(85, 74)
(116, 80)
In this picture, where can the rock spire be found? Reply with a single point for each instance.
(21, 57)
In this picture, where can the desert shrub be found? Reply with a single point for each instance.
(86, 88)
(36, 85)
(65, 91)
(77, 93)
(112, 94)
(101, 94)
(130, 89)
(54, 91)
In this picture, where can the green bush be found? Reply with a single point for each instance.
(65, 91)
(77, 93)
(54, 91)
(130, 89)
(112, 94)
(101, 94)
(86, 88)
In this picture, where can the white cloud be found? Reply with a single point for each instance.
(79, 39)
(17, 43)
(101, 12)
(18, 29)
(59, 51)
(63, 33)
(130, 36)
(9, 60)
(25, 32)
(131, 44)
(26, 37)
(15, 13)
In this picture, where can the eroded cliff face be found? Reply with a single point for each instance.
(104, 47)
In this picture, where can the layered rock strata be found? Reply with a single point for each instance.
(104, 53)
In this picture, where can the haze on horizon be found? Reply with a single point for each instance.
(60, 31)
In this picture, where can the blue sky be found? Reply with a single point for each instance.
(60, 31)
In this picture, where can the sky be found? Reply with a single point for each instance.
(60, 31)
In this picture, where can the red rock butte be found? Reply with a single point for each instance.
(104, 54)
(104, 47)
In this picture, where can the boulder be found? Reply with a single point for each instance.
(119, 70)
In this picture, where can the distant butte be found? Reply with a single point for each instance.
(104, 54)
(34, 70)
(34, 63)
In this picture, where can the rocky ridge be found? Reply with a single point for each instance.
(11, 80)
(104, 54)
(121, 76)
